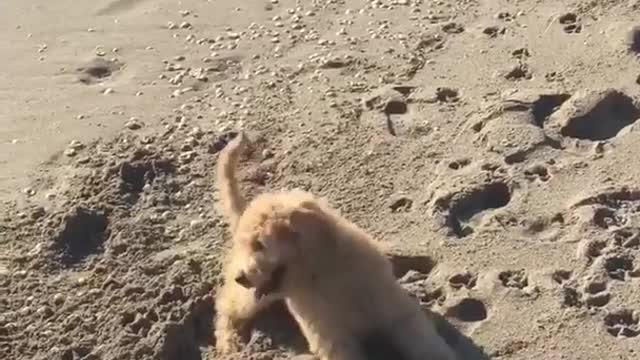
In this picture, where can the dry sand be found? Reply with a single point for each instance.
(492, 144)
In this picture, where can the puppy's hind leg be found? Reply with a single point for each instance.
(419, 340)
(345, 351)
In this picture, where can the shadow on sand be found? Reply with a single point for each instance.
(283, 330)
(464, 347)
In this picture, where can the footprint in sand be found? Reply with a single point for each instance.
(537, 172)
(516, 279)
(516, 130)
(463, 196)
(623, 323)
(619, 267)
(412, 273)
(595, 115)
(596, 293)
(465, 208)
(96, 70)
(609, 221)
(570, 23)
(82, 234)
(468, 310)
(395, 104)
(466, 280)
(405, 264)
(593, 293)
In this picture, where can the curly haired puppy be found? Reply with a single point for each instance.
(336, 282)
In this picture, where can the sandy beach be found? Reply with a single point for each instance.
(492, 144)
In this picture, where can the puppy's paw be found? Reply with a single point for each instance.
(228, 343)
(228, 339)
(304, 357)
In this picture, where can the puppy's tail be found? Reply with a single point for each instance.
(232, 202)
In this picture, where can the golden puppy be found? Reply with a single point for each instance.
(337, 284)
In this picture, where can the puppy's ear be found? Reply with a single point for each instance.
(308, 220)
(302, 220)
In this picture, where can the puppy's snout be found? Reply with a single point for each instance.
(243, 280)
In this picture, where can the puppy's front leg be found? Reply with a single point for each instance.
(233, 311)
(236, 306)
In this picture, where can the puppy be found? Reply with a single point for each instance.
(335, 280)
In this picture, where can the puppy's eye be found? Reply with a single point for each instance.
(257, 246)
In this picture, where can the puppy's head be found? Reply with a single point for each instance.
(273, 248)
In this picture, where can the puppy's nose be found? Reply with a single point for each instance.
(242, 280)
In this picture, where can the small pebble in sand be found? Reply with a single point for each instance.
(70, 152)
(171, 25)
(25, 310)
(44, 311)
(267, 154)
(29, 191)
(58, 299)
(185, 25)
(108, 91)
(76, 145)
(194, 223)
(133, 124)
(94, 292)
